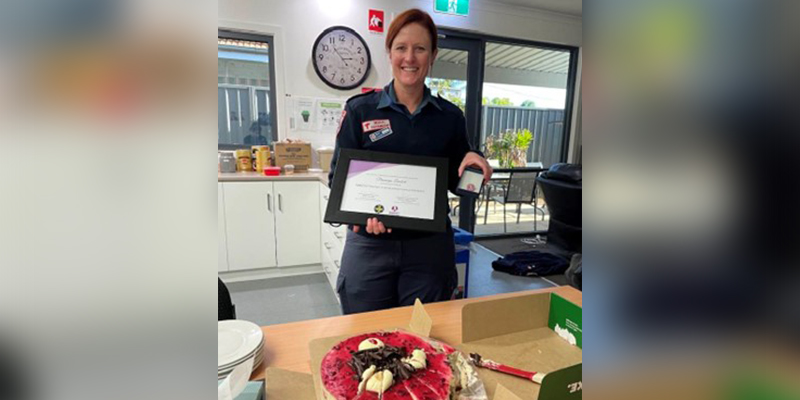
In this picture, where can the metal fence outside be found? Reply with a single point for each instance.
(546, 125)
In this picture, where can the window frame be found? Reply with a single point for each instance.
(273, 105)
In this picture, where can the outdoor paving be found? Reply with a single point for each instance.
(494, 220)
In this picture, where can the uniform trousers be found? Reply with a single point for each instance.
(377, 274)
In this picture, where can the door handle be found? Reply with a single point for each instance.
(325, 197)
(338, 234)
(269, 202)
(328, 245)
(336, 263)
(280, 203)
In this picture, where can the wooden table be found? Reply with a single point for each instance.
(286, 345)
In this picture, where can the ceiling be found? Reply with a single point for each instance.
(517, 57)
(569, 7)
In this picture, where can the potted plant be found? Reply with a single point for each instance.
(509, 147)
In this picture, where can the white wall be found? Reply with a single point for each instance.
(296, 24)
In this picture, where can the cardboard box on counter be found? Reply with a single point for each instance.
(294, 153)
(288, 385)
(519, 332)
(538, 333)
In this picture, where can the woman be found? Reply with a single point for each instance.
(382, 268)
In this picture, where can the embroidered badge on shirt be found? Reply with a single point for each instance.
(339, 129)
(375, 124)
(380, 135)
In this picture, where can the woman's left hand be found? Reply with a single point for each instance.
(473, 159)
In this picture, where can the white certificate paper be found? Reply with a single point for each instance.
(390, 189)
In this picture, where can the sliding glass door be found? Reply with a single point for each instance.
(517, 98)
(455, 76)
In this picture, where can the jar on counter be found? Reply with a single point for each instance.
(227, 162)
(245, 163)
(288, 169)
(260, 157)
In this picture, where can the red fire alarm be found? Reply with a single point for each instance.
(375, 21)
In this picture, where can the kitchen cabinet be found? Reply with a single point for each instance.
(249, 225)
(333, 240)
(270, 224)
(296, 222)
(222, 243)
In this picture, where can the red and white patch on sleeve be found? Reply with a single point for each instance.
(339, 129)
(375, 124)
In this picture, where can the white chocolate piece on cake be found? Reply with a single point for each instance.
(380, 381)
(371, 343)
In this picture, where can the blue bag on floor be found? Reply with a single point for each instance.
(531, 263)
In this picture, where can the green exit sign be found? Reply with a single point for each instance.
(455, 7)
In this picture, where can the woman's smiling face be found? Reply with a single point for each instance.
(411, 55)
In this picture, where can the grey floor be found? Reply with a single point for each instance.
(299, 298)
(282, 300)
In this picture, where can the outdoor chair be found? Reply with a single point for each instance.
(520, 189)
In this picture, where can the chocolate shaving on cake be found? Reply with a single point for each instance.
(384, 358)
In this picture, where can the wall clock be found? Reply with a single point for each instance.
(341, 58)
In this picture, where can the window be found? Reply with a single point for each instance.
(245, 91)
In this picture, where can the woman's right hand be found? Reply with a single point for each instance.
(374, 227)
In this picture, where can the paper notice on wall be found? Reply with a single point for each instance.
(329, 113)
(302, 114)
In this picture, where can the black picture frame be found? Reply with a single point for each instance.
(334, 214)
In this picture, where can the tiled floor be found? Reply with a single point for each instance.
(282, 300)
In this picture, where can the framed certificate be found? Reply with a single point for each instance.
(402, 191)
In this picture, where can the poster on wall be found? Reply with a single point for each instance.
(329, 113)
(375, 21)
(302, 114)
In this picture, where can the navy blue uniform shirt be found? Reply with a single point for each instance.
(436, 129)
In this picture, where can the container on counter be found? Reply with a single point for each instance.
(244, 163)
(272, 171)
(227, 162)
(288, 169)
(260, 155)
(325, 154)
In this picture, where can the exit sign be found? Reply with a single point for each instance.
(455, 7)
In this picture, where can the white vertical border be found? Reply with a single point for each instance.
(277, 41)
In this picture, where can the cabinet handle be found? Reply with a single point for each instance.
(336, 262)
(269, 202)
(328, 245)
(325, 197)
(280, 203)
(338, 234)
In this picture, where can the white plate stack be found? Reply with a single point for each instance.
(237, 342)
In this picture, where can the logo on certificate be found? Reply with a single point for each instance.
(379, 209)
(393, 210)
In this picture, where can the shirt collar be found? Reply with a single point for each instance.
(389, 99)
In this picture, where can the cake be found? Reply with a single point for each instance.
(396, 365)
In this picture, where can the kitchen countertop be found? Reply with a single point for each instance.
(321, 177)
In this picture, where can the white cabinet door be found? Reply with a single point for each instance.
(250, 225)
(222, 243)
(297, 222)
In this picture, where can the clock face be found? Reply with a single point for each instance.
(341, 58)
